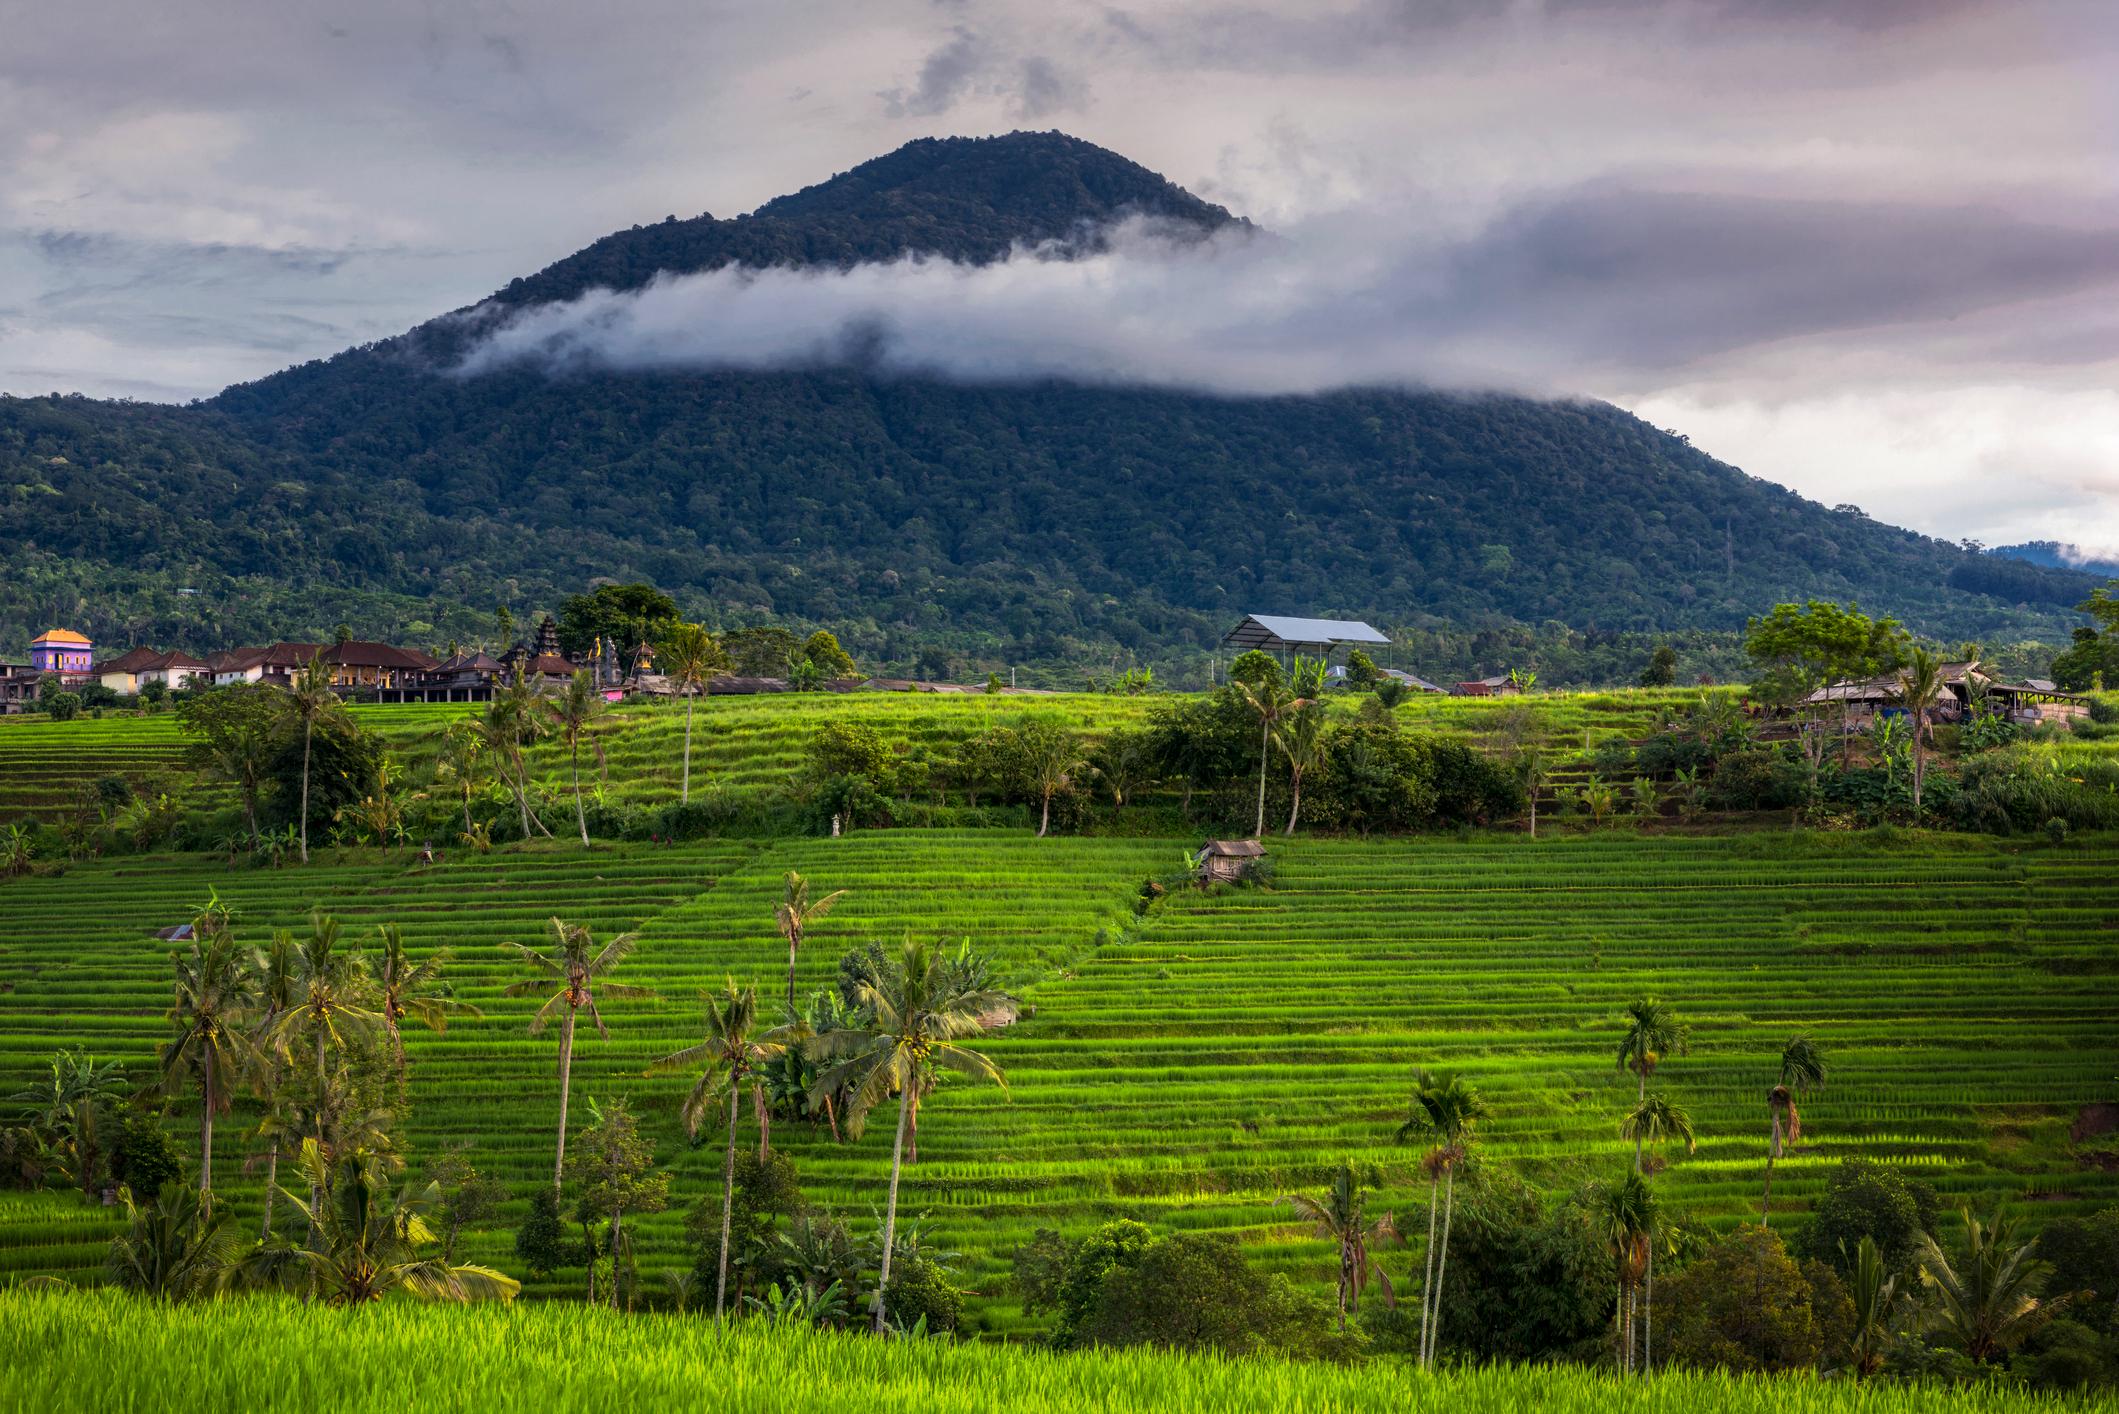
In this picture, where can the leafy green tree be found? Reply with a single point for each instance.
(1362, 674)
(622, 616)
(795, 912)
(1195, 1291)
(1802, 1070)
(469, 1198)
(407, 988)
(822, 650)
(2093, 659)
(732, 1052)
(1341, 1218)
(1445, 1112)
(214, 988)
(615, 1165)
(460, 764)
(759, 1253)
(542, 1241)
(765, 652)
(72, 1111)
(913, 1017)
(1804, 647)
(513, 718)
(690, 659)
(1662, 668)
(572, 711)
(1987, 1292)
(1653, 1031)
(1863, 1198)
(1745, 1305)
(60, 706)
(582, 973)
(368, 1243)
(234, 731)
(311, 702)
(1050, 752)
(142, 1158)
(1068, 1278)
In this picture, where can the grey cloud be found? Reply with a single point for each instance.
(944, 78)
(968, 65)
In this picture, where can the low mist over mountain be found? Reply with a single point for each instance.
(959, 503)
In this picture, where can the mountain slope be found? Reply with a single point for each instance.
(1007, 524)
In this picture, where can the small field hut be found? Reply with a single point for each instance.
(1227, 861)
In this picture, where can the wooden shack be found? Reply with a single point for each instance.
(1227, 861)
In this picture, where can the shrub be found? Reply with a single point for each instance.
(542, 1241)
(764, 1194)
(144, 1157)
(920, 1290)
(1196, 1292)
(63, 706)
(1746, 1305)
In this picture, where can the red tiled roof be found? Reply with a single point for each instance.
(130, 661)
(362, 654)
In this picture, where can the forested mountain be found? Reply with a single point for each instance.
(932, 523)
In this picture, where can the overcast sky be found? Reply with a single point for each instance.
(1866, 248)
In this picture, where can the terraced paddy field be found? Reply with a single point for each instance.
(1189, 1067)
(273, 1354)
(745, 746)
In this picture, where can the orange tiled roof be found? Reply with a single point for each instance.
(59, 638)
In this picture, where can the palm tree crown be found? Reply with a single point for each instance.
(214, 988)
(1341, 1218)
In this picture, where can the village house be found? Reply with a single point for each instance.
(276, 663)
(1284, 637)
(1500, 685)
(1229, 861)
(64, 652)
(1964, 689)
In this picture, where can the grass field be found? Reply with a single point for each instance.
(273, 1354)
(1190, 1067)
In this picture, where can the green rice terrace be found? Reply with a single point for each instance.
(1189, 1066)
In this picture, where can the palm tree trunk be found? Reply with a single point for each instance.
(1533, 792)
(1648, 1314)
(764, 1115)
(728, 1201)
(687, 791)
(467, 813)
(1618, 1328)
(272, 1189)
(617, 1218)
(1044, 818)
(1295, 807)
(1919, 760)
(580, 816)
(308, 734)
(566, 1073)
(794, 942)
(519, 783)
(1427, 1287)
(206, 1136)
(890, 1210)
(1773, 1149)
(1449, 1213)
(1641, 1072)
(1265, 739)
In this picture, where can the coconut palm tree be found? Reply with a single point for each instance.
(731, 1054)
(690, 659)
(1802, 1070)
(367, 1242)
(912, 1017)
(1270, 701)
(1652, 1121)
(312, 703)
(1653, 1031)
(795, 913)
(572, 711)
(1300, 738)
(331, 1001)
(580, 970)
(407, 988)
(214, 987)
(1341, 1217)
(1987, 1295)
(459, 763)
(515, 716)
(1919, 684)
(1050, 754)
(1445, 1112)
(278, 988)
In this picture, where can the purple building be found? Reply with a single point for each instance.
(61, 651)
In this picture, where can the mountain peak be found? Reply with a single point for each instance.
(962, 198)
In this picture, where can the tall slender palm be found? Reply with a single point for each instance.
(690, 659)
(1652, 1122)
(407, 988)
(514, 717)
(912, 1017)
(1802, 1070)
(1300, 738)
(581, 971)
(463, 749)
(331, 1000)
(1653, 1031)
(731, 1054)
(1624, 1216)
(1919, 684)
(214, 988)
(278, 988)
(1445, 1112)
(572, 711)
(1988, 1296)
(795, 912)
(1270, 702)
(1341, 1218)
(312, 703)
